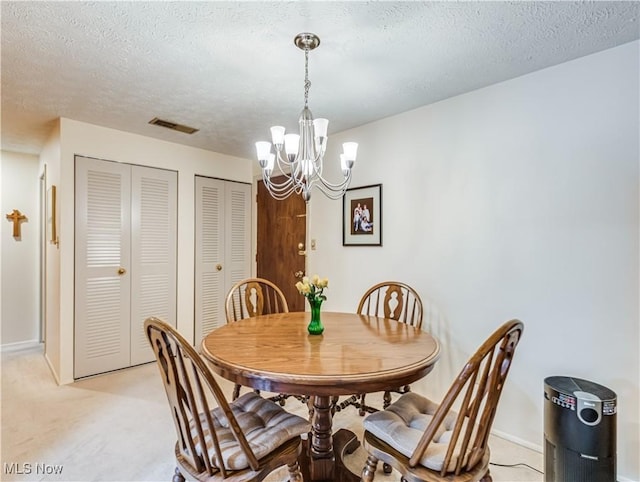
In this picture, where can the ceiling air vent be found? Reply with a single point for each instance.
(172, 125)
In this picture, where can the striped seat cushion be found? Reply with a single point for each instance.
(266, 427)
(403, 423)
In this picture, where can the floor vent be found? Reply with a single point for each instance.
(172, 125)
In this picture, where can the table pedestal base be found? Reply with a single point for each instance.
(330, 469)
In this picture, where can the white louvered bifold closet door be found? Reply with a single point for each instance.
(126, 253)
(102, 291)
(154, 203)
(238, 233)
(223, 247)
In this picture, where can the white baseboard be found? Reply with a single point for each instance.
(518, 441)
(20, 345)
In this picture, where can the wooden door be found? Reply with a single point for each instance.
(282, 227)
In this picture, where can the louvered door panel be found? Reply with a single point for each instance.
(238, 232)
(209, 251)
(153, 251)
(102, 248)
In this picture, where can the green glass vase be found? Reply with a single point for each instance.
(315, 325)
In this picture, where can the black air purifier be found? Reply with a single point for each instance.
(579, 431)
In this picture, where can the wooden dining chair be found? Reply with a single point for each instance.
(425, 441)
(253, 297)
(243, 440)
(397, 301)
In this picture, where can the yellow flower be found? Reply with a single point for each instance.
(313, 288)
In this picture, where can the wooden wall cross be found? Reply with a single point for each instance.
(16, 217)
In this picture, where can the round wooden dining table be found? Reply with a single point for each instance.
(355, 354)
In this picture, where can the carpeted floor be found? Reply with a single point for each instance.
(117, 427)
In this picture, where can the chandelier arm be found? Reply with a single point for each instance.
(293, 182)
(318, 164)
(288, 185)
(278, 191)
(334, 187)
(339, 186)
(283, 161)
(290, 170)
(279, 197)
(332, 193)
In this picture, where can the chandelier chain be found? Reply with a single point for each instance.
(307, 82)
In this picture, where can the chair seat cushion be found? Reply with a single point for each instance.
(265, 425)
(403, 423)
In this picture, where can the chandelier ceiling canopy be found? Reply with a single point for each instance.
(299, 157)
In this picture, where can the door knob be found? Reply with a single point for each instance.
(122, 271)
(299, 274)
(219, 267)
(300, 245)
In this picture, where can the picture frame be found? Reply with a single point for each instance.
(362, 216)
(52, 233)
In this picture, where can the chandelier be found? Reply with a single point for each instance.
(299, 157)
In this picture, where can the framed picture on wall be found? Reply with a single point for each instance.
(362, 216)
(52, 229)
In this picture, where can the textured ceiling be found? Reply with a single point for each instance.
(231, 70)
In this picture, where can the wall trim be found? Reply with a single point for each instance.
(19, 345)
(517, 441)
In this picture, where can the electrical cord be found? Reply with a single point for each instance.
(519, 464)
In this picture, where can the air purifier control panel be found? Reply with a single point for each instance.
(565, 401)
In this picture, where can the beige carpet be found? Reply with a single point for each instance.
(117, 427)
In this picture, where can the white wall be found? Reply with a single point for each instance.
(102, 143)
(20, 256)
(519, 200)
